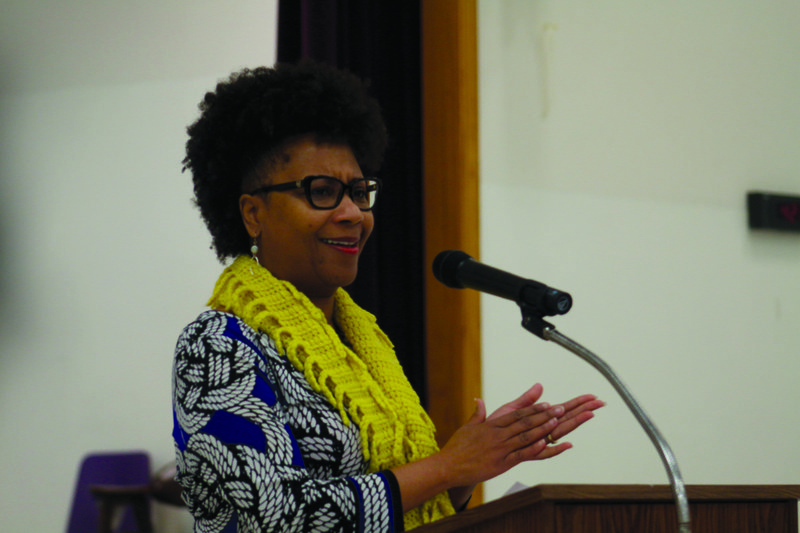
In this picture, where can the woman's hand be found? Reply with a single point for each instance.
(577, 411)
(486, 447)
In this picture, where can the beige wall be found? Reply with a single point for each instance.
(618, 141)
(103, 257)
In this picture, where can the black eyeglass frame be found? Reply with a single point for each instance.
(305, 184)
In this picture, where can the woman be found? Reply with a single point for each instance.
(291, 410)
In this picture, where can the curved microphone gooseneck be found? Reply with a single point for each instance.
(457, 269)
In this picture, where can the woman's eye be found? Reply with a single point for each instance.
(323, 191)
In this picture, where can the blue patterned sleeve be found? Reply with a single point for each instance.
(241, 462)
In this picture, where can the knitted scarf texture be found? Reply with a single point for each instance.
(366, 384)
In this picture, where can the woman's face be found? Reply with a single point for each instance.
(316, 250)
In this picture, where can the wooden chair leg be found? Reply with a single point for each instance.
(142, 513)
(104, 516)
(110, 497)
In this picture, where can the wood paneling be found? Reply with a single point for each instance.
(631, 509)
(450, 140)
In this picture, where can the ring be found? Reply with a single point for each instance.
(550, 440)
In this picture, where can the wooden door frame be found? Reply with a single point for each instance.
(450, 165)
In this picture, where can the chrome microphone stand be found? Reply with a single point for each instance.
(533, 322)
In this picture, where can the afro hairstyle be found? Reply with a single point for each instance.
(247, 121)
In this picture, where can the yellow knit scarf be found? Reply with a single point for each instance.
(366, 384)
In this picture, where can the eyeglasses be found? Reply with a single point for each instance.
(325, 192)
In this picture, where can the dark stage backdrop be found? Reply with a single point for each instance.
(380, 42)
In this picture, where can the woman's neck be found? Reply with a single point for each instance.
(326, 304)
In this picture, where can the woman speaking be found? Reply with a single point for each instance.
(292, 412)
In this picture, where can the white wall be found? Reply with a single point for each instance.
(618, 141)
(104, 258)
(615, 160)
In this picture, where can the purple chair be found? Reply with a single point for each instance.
(109, 481)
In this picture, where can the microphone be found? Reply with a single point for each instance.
(458, 270)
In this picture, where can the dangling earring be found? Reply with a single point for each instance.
(253, 252)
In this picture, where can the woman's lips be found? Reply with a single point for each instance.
(348, 246)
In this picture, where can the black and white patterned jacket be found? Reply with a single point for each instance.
(258, 450)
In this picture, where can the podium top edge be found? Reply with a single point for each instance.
(664, 492)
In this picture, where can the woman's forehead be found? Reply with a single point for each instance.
(309, 157)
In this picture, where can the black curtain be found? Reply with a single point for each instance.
(380, 42)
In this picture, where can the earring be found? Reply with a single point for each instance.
(253, 252)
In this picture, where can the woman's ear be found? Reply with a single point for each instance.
(250, 207)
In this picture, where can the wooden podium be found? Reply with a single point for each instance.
(630, 509)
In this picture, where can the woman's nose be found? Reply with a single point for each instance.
(348, 210)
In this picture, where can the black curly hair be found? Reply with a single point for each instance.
(246, 122)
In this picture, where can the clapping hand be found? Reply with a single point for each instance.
(576, 412)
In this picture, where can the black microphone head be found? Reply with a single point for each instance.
(445, 267)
